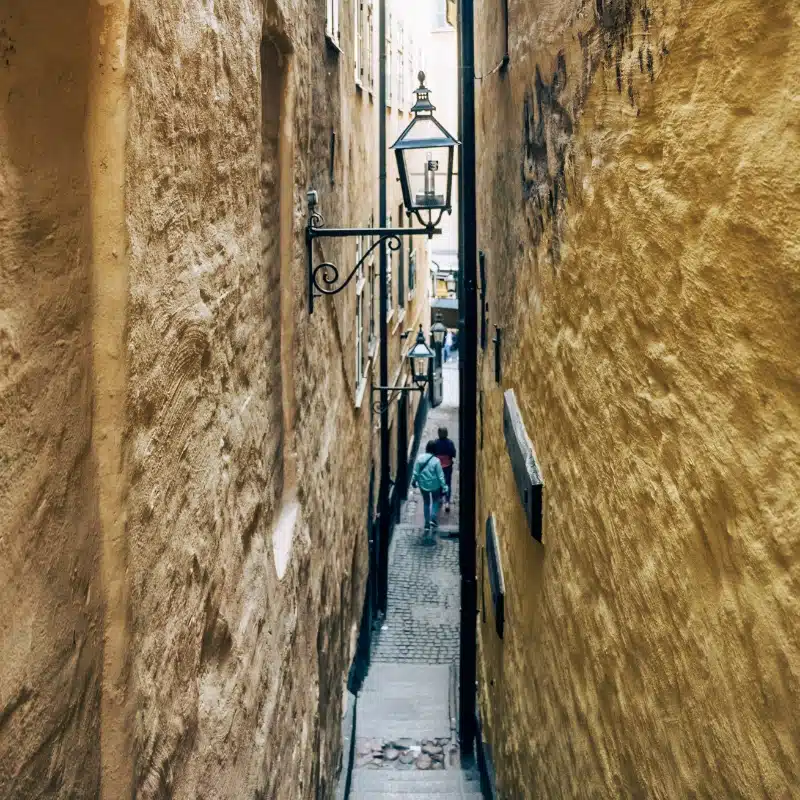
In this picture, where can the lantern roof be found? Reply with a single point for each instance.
(421, 349)
(424, 130)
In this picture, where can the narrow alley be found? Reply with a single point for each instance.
(406, 726)
(255, 255)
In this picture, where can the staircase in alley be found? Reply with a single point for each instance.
(406, 727)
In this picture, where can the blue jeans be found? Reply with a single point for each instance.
(430, 507)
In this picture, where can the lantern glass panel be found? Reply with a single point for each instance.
(420, 356)
(439, 332)
(428, 176)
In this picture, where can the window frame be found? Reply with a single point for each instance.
(440, 19)
(373, 277)
(358, 43)
(389, 64)
(412, 268)
(401, 267)
(401, 68)
(370, 54)
(332, 22)
(361, 359)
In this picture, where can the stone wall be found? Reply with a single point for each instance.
(638, 207)
(183, 540)
(50, 633)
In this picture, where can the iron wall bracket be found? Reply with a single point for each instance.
(323, 279)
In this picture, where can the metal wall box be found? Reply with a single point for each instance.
(497, 582)
(527, 474)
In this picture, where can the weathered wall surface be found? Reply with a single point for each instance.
(49, 546)
(178, 441)
(638, 177)
(238, 669)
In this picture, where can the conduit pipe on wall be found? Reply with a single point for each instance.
(468, 374)
(383, 329)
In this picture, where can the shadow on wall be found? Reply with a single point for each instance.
(49, 548)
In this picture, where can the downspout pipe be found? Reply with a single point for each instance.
(468, 377)
(383, 328)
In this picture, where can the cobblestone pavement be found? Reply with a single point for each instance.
(422, 624)
(406, 741)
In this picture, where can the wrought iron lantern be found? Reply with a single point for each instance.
(425, 152)
(419, 356)
(438, 332)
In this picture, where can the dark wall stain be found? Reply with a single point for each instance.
(7, 47)
(551, 109)
(546, 135)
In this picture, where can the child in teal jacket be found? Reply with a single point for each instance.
(429, 476)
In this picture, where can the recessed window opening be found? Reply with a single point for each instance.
(276, 205)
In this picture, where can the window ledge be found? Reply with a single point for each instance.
(333, 43)
(400, 317)
(362, 388)
(362, 282)
(389, 316)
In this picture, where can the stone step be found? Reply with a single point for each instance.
(403, 775)
(435, 779)
(431, 785)
(413, 794)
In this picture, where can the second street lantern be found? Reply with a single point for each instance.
(420, 356)
(425, 153)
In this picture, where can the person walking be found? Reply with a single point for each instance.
(448, 346)
(429, 476)
(446, 453)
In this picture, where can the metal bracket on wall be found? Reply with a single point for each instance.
(484, 304)
(498, 364)
(323, 279)
(395, 392)
(527, 474)
(497, 582)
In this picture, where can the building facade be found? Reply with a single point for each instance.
(638, 216)
(185, 453)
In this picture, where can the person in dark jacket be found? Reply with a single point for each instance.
(429, 477)
(446, 453)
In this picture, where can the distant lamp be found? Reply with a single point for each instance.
(438, 332)
(425, 153)
(419, 357)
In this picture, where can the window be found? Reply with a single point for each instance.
(368, 64)
(412, 84)
(373, 292)
(401, 69)
(401, 278)
(440, 20)
(389, 61)
(359, 331)
(412, 267)
(358, 38)
(332, 21)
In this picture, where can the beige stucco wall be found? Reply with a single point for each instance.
(50, 632)
(182, 539)
(638, 205)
